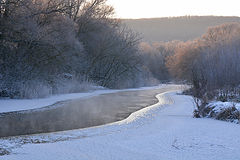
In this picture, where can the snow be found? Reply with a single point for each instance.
(10, 105)
(218, 105)
(228, 111)
(165, 130)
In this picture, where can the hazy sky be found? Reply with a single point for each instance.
(169, 8)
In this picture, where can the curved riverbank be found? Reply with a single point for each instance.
(79, 113)
(166, 130)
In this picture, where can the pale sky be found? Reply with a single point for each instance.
(171, 8)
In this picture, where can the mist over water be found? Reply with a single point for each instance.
(80, 113)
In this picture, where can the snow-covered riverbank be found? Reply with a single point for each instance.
(10, 105)
(162, 131)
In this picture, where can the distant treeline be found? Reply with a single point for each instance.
(210, 63)
(176, 28)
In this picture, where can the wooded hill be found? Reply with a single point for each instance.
(175, 28)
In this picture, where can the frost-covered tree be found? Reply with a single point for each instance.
(210, 62)
(48, 43)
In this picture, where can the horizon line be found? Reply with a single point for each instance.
(177, 17)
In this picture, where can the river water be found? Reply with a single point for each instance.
(79, 113)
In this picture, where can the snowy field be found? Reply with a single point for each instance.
(164, 131)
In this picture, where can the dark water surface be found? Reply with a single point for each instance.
(79, 113)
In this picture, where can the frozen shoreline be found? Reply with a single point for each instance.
(79, 113)
(165, 130)
(10, 105)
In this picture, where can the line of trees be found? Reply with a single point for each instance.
(155, 56)
(210, 63)
(56, 46)
(53, 46)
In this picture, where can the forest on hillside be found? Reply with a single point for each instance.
(175, 28)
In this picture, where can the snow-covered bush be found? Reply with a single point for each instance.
(40, 89)
(226, 111)
(33, 89)
(72, 86)
(25, 89)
